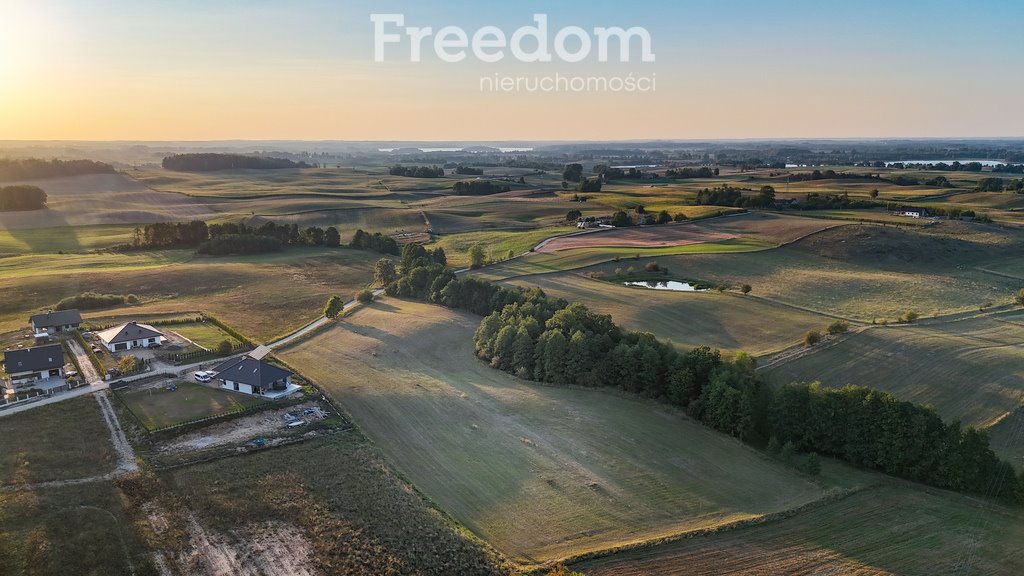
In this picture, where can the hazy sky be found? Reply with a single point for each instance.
(254, 69)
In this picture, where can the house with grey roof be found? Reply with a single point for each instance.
(130, 335)
(27, 366)
(254, 376)
(54, 322)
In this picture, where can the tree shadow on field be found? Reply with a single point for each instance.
(384, 307)
(43, 239)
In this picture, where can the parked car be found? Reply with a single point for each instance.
(202, 376)
(296, 424)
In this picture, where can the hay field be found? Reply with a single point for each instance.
(539, 472)
(665, 236)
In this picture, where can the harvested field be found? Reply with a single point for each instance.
(541, 472)
(879, 531)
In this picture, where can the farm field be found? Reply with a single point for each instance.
(666, 236)
(103, 199)
(81, 529)
(328, 505)
(65, 239)
(861, 272)
(539, 472)
(497, 243)
(688, 319)
(60, 441)
(157, 407)
(969, 370)
(878, 531)
(261, 296)
(579, 258)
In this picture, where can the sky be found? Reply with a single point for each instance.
(305, 70)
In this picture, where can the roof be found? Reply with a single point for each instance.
(58, 318)
(248, 370)
(34, 359)
(128, 332)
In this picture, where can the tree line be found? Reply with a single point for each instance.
(417, 171)
(34, 168)
(478, 188)
(21, 197)
(467, 171)
(210, 162)
(528, 334)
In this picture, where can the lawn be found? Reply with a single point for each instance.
(158, 408)
(61, 441)
(540, 472)
(203, 334)
(688, 319)
(879, 531)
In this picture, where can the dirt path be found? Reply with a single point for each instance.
(317, 323)
(89, 373)
(125, 453)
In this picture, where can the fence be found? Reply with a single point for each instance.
(200, 355)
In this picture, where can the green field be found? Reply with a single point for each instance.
(540, 472)
(497, 244)
(61, 441)
(879, 531)
(158, 408)
(688, 319)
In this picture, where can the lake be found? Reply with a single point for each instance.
(670, 285)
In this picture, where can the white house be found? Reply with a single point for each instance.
(251, 376)
(28, 365)
(130, 335)
(52, 322)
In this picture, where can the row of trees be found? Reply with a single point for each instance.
(478, 188)
(376, 242)
(467, 171)
(726, 195)
(417, 171)
(547, 339)
(210, 162)
(21, 197)
(681, 173)
(33, 168)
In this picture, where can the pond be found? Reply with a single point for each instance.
(670, 285)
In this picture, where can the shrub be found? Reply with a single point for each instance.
(333, 307)
(746, 289)
(1019, 298)
(92, 301)
(129, 364)
(652, 267)
(812, 464)
(630, 271)
(787, 451)
(909, 317)
(773, 446)
(837, 327)
(812, 338)
(224, 348)
(364, 296)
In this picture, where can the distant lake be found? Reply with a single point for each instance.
(427, 150)
(670, 285)
(987, 163)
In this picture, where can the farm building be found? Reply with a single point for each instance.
(54, 322)
(29, 365)
(252, 376)
(130, 335)
(911, 212)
